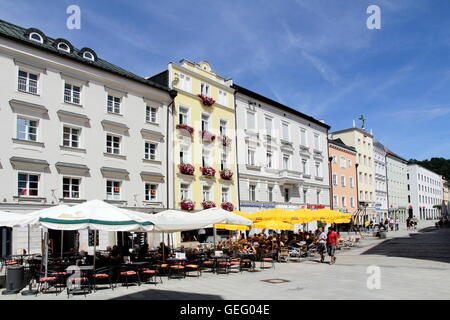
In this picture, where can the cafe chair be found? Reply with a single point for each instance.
(150, 273)
(47, 282)
(267, 259)
(235, 264)
(223, 265)
(102, 276)
(208, 264)
(78, 284)
(129, 277)
(194, 266)
(177, 271)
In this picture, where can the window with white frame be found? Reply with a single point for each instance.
(28, 185)
(28, 82)
(151, 114)
(150, 150)
(251, 156)
(223, 160)
(270, 192)
(251, 121)
(151, 192)
(114, 104)
(286, 132)
(252, 192)
(185, 191)
(113, 189)
(185, 154)
(268, 123)
(225, 194)
(343, 162)
(318, 167)
(185, 83)
(287, 195)
(352, 183)
(303, 137)
(205, 89)
(27, 129)
(344, 201)
(71, 188)
(286, 162)
(316, 142)
(349, 163)
(205, 121)
(223, 100)
(305, 193)
(183, 116)
(223, 128)
(71, 137)
(335, 201)
(269, 159)
(352, 202)
(71, 93)
(343, 182)
(206, 193)
(206, 161)
(305, 166)
(113, 144)
(36, 37)
(318, 196)
(335, 182)
(63, 47)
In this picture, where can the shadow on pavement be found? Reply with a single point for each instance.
(428, 244)
(167, 295)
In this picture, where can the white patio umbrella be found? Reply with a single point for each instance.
(10, 219)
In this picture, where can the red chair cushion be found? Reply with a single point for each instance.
(208, 262)
(149, 271)
(193, 266)
(47, 279)
(101, 275)
(10, 262)
(82, 279)
(59, 273)
(267, 259)
(128, 273)
(246, 260)
(235, 263)
(177, 267)
(224, 263)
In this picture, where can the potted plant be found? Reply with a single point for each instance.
(189, 129)
(226, 141)
(208, 171)
(226, 174)
(208, 204)
(187, 205)
(227, 206)
(186, 168)
(207, 101)
(207, 136)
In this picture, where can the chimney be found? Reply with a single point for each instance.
(354, 124)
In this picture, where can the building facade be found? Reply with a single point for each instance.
(397, 185)
(381, 196)
(343, 176)
(362, 141)
(424, 192)
(76, 128)
(282, 155)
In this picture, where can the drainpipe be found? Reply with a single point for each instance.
(236, 151)
(387, 184)
(330, 159)
(357, 188)
(173, 94)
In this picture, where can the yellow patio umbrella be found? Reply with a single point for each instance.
(332, 216)
(273, 225)
(231, 227)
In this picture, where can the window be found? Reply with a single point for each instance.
(344, 201)
(252, 193)
(343, 183)
(150, 151)
(71, 188)
(206, 193)
(225, 194)
(89, 56)
(303, 139)
(205, 122)
(335, 201)
(270, 192)
(36, 37)
(352, 184)
(343, 162)
(251, 121)
(113, 104)
(93, 234)
(316, 142)
(223, 128)
(113, 144)
(223, 160)
(63, 47)
(223, 98)
(269, 163)
(206, 158)
(184, 191)
(28, 185)
(151, 192)
(287, 197)
(305, 166)
(318, 169)
(184, 154)
(28, 82)
(251, 157)
(305, 192)
(71, 93)
(286, 162)
(71, 137)
(268, 123)
(113, 190)
(205, 89)
(349, 163)
(185, 83)
(352, 202)
(286, 132)
(26, 129)
(183, 116)
(335, 182)
(318, 196)
(151, 114)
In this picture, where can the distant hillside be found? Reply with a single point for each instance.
(440, 166)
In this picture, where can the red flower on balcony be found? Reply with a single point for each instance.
(187, 205)
(189, 129)
(207, 136)
(187, 168)
(225, 141)
(207, 101)
(208, 171)
(227, 206)
(226, 174)
(208, 204)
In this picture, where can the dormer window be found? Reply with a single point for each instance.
(63, 47)
(89, 56)
(36, 37)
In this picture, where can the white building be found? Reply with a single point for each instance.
(381, 196)
(282, 155)
(424, 192)
(397, 185)
(74, 128)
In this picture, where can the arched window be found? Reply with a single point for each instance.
(63, 47)
(88, 55)
(36, 37)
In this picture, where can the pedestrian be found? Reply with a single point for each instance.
(397, 224)
(332, 237)
(366, 225)
(391, 224)
(321, 243)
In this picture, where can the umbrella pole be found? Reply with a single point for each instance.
(46, 251)
(62, 243)
(28, 239)
(163, 247)
(95, 246)
(214, 233)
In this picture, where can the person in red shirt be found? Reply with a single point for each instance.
(332, 238)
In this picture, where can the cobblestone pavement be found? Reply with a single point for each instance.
(413, 265)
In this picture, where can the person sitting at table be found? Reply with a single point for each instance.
(115, 255)
(143, 252)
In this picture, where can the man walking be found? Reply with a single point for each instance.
(397, 224)
(331, 244)
(321, 242)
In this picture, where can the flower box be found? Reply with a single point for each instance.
(208, 171)
(187, 205)
(227, 206)
(225, 141)
(207, 101)
(226, 174)
(207, 136)
(187, 168)
(189, 129)
(208, 204)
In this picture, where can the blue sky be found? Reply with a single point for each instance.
(313, 55)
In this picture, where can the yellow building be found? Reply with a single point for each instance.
(203, 134)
